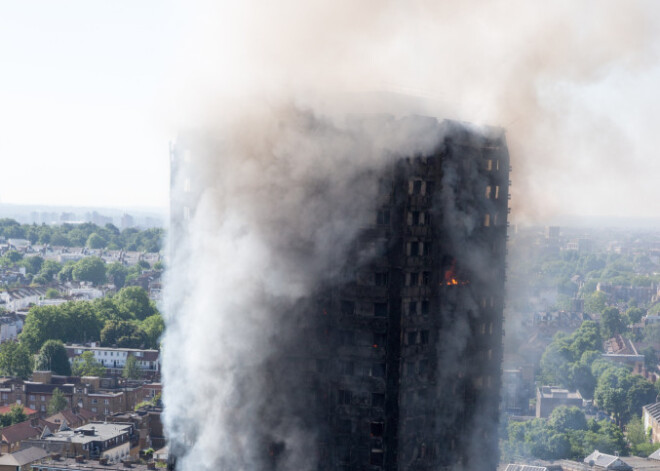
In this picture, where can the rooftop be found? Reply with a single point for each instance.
(93, 432)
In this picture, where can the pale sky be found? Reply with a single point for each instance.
(80, 84)
(93, 91)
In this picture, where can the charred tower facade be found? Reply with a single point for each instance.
(397, 366)
(409, 356)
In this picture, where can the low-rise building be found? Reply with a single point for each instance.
(93, 441)
(549, 397)
(622, 350)
(651, 420)
(22, 459)
(82, 464)
(598, 460)
(114, 359)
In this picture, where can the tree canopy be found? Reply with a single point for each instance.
(15, 360)
(87, 365)
(52, 356)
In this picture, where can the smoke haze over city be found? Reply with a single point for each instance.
(281, 202)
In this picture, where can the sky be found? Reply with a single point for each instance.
(92, 92)
(80, 89)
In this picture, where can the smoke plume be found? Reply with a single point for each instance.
(285, 174)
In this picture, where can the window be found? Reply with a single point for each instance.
(43, 398)
(94, 409)
(424, 337)
(423, 367)
(377, 399)
(413, 279)
(106, 401)
(415, 218)
(383, 217)
(380, 309)
(428, 246)
(95, 401)
(344, 397)
(412, 307)
(497, 192)
(381, 279)
(486, 220)
(377, 429)
(413, 249)
(425, 308)
(415, 187)
(32, 397)
(376, 458)
(488, 190)
(426, 278)
(379, 339)
(378, 370)
(411, 338)
(347, 308)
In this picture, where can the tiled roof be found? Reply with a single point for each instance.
(603, 460)
(524, 467)
(23, 457)
(26, 410)
(653, 410)
(24, 430)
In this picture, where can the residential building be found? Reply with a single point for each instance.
(599, 460)
(15, 435)
(22, 459)
(94, 440)
(622, 350)
(651, 420)
(114, 359)
(548, 398)
(82, 464)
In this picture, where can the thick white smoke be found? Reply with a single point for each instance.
(285, 197)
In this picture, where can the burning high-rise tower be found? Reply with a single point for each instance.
(363, 327)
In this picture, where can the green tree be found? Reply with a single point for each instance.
(134, 299)
(57, 402)
(634, 315)
(123, 334)
(595, 302)
(32, 264)
(131, 369)
(567, 418)
(52, 356)
(611, 322)
(153, 327)
(87, 365)
(95, 241)
(90, 269)
(15, 360)
(52, 293)
(17, 414)
(49, 269)
(75, 321)
(66, 273)
(12, 256)
(117, 274)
